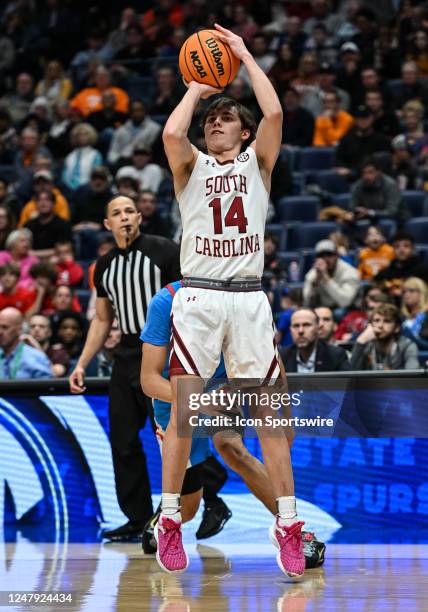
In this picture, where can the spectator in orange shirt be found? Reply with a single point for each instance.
(89, 100)
(43, 181)
(12, 295)
(376, 256)
(333, 123)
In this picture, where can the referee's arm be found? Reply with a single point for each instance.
(97, 335)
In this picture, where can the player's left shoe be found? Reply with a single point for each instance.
(170, 553)
(288, 540)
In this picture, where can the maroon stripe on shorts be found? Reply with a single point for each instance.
(186, 353)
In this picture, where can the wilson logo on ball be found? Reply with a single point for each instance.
(197, 64)
(216, 54)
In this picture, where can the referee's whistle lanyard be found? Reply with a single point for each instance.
(9, 367)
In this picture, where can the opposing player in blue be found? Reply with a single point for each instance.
(154, 380)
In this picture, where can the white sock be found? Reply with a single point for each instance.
(287, 513)
(171, 506)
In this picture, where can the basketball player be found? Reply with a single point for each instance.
(154, 380)
(223, 199)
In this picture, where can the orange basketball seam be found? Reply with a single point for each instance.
(207, 60)
(230, 62)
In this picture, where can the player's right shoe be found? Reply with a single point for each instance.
(313, 549)
(288, 539)
(170, 553)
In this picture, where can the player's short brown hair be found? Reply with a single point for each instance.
(247, 120)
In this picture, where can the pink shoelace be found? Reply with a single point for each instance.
(291, 533)
(171, 533)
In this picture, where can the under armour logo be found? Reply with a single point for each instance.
(207, 162)
(191, 298)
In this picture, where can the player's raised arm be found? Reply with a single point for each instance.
(269, 133)
(180, 152)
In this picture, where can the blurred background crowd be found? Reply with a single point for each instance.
(85, 88)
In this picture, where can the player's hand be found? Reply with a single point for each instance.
(205, 91)
(77, 380)
(234, 41)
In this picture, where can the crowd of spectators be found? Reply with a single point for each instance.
(85, 89)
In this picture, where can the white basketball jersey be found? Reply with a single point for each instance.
(223, 210)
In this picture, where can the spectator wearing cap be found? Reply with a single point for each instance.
(91, 199)
(375, 196)
(314, 101)
(151, 220)
(139, 130)
(385, 121)
(79, 164)
(331, 281)
(90, 202)
(298, 125)
(29, 149)
(38, 118)
(43, 181)
(18, 251)
(349, 72)
(17, 359)
(333, 123)
(149, 175)
(127, 182)
(323, 45)
(359, 143)
(403, 169)
(89, 99)
(47, 227)
(309, 353)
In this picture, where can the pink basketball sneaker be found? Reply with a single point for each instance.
(290, 557)
(170, 553)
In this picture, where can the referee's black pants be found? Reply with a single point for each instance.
(128, 412)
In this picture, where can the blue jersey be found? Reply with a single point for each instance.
(157, 331)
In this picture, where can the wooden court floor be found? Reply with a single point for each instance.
(105, 577)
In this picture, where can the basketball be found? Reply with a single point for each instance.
(205, 59)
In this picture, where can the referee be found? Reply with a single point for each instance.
(126, 279)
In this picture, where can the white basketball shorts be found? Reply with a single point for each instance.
(207, 322)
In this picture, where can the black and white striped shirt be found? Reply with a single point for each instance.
(130, 279)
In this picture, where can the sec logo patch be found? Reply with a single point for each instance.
(243, 157)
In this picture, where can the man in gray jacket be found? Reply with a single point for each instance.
(331, 281)
(139, 131)
(381, 346)
(375, 196)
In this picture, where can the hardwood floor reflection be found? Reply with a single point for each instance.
(118, 577)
